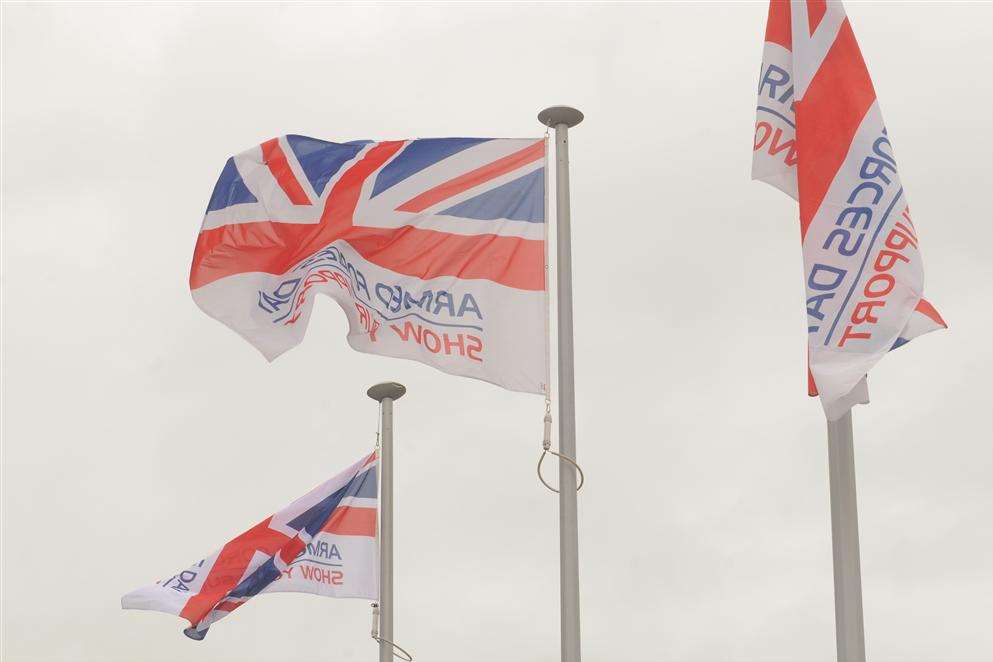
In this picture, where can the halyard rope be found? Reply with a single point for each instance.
(546, 449)
(398, 650)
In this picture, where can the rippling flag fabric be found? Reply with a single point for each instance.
(322, 543)
(819, 137)
(434, 248)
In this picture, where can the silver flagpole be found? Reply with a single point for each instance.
(561, 118)
(849, 627)
(386, 393)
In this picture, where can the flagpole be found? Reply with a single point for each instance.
(561, 118)
(849, 625)
(386, 393)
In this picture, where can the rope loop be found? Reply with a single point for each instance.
(398, 651)
(547, 451)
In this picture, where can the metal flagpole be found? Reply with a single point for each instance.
(849, 626)
(561, 118)
(386, 393)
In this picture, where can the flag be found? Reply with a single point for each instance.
(434, 248)
(322, 543)
(820, 138)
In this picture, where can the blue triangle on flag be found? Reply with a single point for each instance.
(321, 159)
(417, 156)
(522, 199)
(230, 189)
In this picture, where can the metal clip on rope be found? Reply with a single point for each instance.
(546, 449)
(398, 650)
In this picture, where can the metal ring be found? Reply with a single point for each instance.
(403, 655)
(582, 476)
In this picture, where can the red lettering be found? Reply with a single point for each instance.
(408, 330)
(363, 315)
(889, 283)
(906, 217)
(863, 312)
(848, 334)
(449, 344)
(323, 575)
(887, 259)
(314, 278)
(910, 233)
(475, 347)
(899, 240)
(768, 132)
(453, 345)
(428, 333)
(775, 147)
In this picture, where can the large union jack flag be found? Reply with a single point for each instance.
(819, 137)
(435, 249)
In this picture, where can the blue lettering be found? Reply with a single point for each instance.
(845, 248)
(444, 300)
(774, 78)
(424, 303)
(469, 304)
(835, 272)
(390, 297)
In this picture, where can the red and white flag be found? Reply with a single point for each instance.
(322, 543)
(820, 138)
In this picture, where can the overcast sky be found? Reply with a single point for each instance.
(139, 435)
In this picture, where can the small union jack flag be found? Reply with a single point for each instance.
(322, 543)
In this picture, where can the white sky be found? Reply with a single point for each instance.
(138, 434)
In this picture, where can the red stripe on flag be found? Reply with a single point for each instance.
(291, 549)
(474, 178)
(510, 261)
(274, 247)
(273, 156)
(815, 12)
(925, 308)
(778, 28)
(352, 521)
(827, 118)
(230, 566)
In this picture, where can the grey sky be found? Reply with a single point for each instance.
(138, 434)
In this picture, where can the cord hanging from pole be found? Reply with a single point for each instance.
(398, 650)
(546, 449)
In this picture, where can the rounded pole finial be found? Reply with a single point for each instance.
(391, 390)
(555, 115)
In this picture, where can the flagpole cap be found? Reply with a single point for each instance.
(555, 115)
(391, 390)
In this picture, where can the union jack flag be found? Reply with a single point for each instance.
(435, 249)
(322, 543)
(820, 138)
